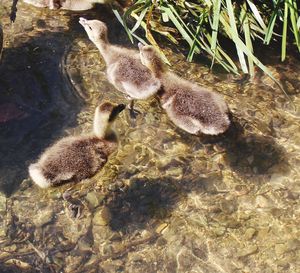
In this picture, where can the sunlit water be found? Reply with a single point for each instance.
(166, 201)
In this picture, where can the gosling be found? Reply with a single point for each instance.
(191, 107)
(75, 5)
(75, 158)
(124, 68)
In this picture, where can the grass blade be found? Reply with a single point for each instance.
(294, 16)
(179, 26)
(246, 29)
(235, 36)
(193, 47)
(139, 19)
(269, 33)
(256, 14)
(284, 31)
(122, 23)
(221, 54)
(260, 65)
(215, 25)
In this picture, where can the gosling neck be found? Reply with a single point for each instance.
(158, 68)
(158, 73)
(101, 125)
(104, 47)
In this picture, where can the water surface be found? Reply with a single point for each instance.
(166, 201)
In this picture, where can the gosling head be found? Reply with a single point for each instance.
(105, 114)
(95, 29)
(151, 59)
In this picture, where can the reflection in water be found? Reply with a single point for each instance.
(167, 201)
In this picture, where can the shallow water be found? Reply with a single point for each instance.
(166, 201)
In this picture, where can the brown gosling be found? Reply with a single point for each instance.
(75, 158)
(191, 107)
(75, 5)
(124, 68)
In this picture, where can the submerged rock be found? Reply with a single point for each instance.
(248, 250)
(249, 233)
(2, 203)
(161, 228)
(102, 217)
(94, 199)
(44, 217)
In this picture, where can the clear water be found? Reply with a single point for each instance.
(166, 201)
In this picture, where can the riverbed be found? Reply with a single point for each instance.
(166, 201)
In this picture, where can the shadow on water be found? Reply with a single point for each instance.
(246, 153)
(255, 155)
(250, 154)
(147, 199)
(38, 102)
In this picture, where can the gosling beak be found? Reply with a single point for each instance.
(83, 21)
(116, 111)
(140, 45)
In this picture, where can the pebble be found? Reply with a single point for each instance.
(43, 218)
(3, 231)
(55, 195)
(112, 187)
(262, 202)
(250, 159)
(248, 251)
(276, 178)
(279, 249)
(228, 206)
(263, 233)
(102, 217)
(161, 228)
(94, 199)
(290, 245)
(20, 264)
(84, 244)
(219, 231)
(2, 202)
(249, 234)
(93, 259)
(161, 241)
(175, 172)
(58, 260)
(107, 249)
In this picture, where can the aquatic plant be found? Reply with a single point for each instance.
(207, 26)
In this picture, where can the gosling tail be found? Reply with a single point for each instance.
(37, 176)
